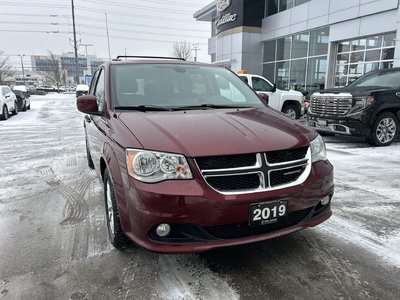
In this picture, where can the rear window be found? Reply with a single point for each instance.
(172, 85)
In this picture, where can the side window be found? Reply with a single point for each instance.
(260, 84)
(244, 78)
(6, 90)
(93, 82)
(99, 91)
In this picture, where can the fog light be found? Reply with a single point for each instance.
(325, 200)
(163, 230)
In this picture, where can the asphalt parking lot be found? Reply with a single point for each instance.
(54, 243)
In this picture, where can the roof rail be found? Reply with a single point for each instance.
(150, 57)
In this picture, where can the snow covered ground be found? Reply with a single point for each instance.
(54, 243)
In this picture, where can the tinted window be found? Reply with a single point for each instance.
(261, 85)
(384, 79)
(99, 92)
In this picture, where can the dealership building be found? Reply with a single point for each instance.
(304, 44)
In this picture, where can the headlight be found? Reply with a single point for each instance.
(360, 103)
(318, 150)
(152, 166)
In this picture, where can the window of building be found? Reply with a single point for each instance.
(283, 46)
(299, 61)
(274, 6)
(359, 56)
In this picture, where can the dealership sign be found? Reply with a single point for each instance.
(223, 4)
(227, 17)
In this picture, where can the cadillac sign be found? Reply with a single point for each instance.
(223, 4)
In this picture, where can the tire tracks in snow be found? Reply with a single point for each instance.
(76, 208)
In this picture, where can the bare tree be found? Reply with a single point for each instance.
(182, 49)
(6, 69)
(54, 72)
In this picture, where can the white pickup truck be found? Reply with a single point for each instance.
(290, 102)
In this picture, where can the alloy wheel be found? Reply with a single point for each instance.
(386, 130)
(110, 210)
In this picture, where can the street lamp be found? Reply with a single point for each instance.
(88, 67)
(22, 64)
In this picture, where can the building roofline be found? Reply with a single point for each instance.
(207, 13)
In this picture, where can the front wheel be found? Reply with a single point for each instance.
(4, 116)
(292, 111)
(384, 130)
(15, 111)
(117, 237)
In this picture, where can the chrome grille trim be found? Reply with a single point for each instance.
(331, 104)
(263, 169)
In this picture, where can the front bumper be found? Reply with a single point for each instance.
(344, 125)
(202, 219)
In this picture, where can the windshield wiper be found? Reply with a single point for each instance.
(143, 108)
(208, 105)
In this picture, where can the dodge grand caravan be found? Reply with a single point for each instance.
(191, 159)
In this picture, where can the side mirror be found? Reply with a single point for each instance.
(264, 97)
(87, 104)
(274, 88)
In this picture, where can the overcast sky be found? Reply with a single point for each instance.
(141, 27)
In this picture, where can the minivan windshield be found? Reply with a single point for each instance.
(178, 86)
(383, 78)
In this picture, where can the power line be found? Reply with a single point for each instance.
(101, 20)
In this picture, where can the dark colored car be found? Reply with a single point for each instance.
(22, 100)
(369, 107)
(191, 159)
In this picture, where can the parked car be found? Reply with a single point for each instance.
(187, 166)
(8, 102)
(369, 107)
(290, 102)
(23, 95)
(81, 89)
(41, 90)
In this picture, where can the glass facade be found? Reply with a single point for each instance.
(359, 56)
(274, 6)
(298, 61)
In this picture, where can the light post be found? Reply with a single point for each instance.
(22, 64)
(88, 67)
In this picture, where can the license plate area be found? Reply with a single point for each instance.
(265, 213)
(322, 122)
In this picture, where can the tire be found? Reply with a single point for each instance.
(28, 107)
(89, 158)
(384, 130)
(15, 111)
(292, 111)
(24, 107)
(117, 237)
(4, 116)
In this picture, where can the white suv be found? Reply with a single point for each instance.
(8, 102)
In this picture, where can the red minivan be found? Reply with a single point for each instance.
(191, 159)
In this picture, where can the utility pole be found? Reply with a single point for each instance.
(195, 49)
(75, 44)
(22, 64)
(108, 39)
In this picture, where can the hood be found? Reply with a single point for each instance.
(197, 133)
(357, 91)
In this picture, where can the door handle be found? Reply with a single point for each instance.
(88, 119)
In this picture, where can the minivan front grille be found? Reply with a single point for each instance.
(226, 162)
(264, 171)
(330, 104)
